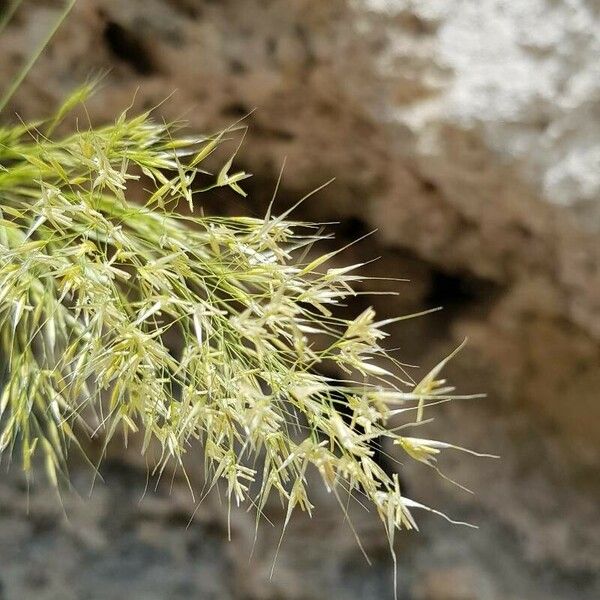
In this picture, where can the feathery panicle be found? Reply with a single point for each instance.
(94, 288)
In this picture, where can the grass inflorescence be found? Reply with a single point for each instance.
(119, 317)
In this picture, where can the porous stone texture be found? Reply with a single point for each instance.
(468, 135)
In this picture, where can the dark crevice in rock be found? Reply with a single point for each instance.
(352, 228)
(459, 295)
(237, 67)
(428, 186)
(456, 292)
(235, 109)
(129, 48)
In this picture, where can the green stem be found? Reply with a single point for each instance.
(33, 58)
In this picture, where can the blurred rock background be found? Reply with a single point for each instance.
(468, 135)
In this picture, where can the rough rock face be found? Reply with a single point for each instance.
(468, 134)
(524, 76)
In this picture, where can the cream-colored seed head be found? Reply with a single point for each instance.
(92, 287)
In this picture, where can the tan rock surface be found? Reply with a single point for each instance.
(468, 135)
